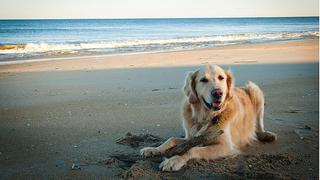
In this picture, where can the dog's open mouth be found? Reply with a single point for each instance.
(212, 106)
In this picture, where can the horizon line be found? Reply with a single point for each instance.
(128, 18)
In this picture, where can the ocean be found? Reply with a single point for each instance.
(37, 39)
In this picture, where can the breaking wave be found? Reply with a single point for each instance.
(218, 39)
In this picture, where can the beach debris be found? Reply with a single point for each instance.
(169, 88)
(75, 166)
(137, 140)
(293, 110)
(172, 88)
(307, 127)
(200, 140)
(60, 163)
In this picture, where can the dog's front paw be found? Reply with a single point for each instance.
(174, 163)
(149, 151)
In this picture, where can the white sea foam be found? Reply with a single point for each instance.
(219, 39)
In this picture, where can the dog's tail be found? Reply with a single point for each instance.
(256, 96)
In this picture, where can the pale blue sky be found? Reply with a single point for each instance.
(155, 8)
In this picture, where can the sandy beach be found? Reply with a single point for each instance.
(58, 113)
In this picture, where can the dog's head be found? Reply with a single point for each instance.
(210, 85)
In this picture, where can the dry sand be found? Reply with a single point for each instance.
(52, 117)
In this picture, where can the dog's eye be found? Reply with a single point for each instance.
(220, 77)
(204, 80)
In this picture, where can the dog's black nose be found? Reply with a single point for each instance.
(217, 93)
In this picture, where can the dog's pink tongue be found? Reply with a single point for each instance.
(217, 103)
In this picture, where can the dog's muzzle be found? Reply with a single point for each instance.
(214, 106)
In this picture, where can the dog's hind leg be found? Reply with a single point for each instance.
(262, 135)
(257, 98)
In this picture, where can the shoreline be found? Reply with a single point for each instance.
(296, 51)
(44, 58)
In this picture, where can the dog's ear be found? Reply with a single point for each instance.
(230, 83)
(189, 88)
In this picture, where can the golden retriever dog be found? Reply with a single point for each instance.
(209, 93)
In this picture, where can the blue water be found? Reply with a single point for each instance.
(43, 38)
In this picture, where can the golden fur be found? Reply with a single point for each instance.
(239, 111)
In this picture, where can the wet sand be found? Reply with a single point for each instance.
(52, 119)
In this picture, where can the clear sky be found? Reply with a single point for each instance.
(155, 8)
